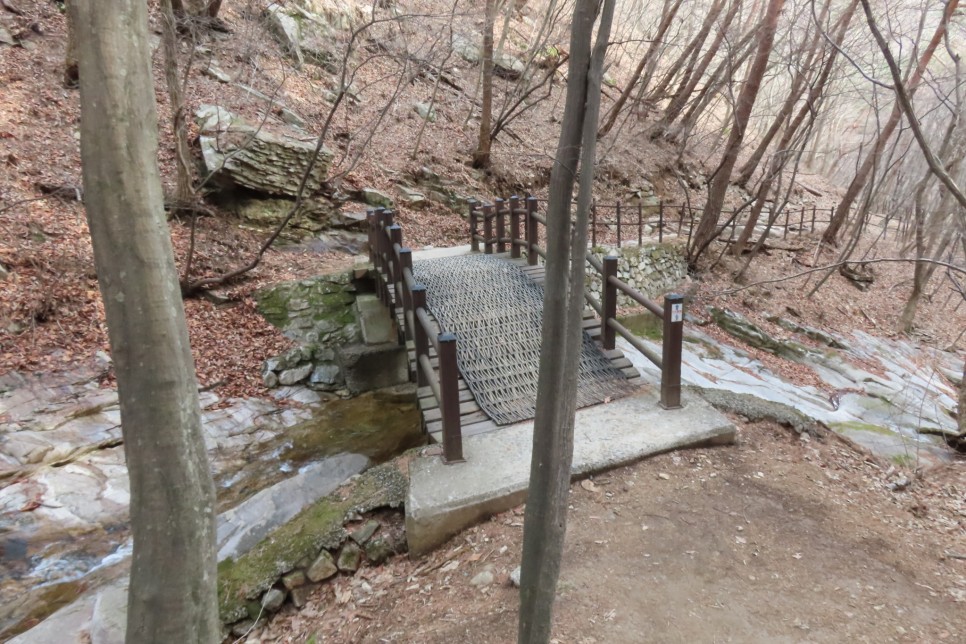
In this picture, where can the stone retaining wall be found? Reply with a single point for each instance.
(652, 269)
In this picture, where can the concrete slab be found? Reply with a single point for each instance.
(374, 320)
(444, 499)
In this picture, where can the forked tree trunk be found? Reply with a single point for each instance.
(172, 596)
(553, 433)
(746, 101)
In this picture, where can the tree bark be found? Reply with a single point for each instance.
(746, 101)
(71, 74)
(481, 158)
(645, 63)
(546, 513)
(184, 194)
(862, 175)
(172, 595)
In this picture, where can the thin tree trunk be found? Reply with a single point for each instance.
(692, 75)
(184, 194)
(481, 158)
(666, 20)
(691, 51)
(862, 175)
(746, 101)
(172, 596)
(546, 513)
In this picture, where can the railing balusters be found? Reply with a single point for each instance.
(488, 229)
(474, 241)
(500, 225)
(532, 237)
(515, 227)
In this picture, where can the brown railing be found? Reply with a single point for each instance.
(396, 285)
(672, 313)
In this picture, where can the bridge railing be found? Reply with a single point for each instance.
(671, 313)
(396, 285)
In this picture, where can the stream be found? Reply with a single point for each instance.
(64, 494)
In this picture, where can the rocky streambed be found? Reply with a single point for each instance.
(64, 490)
(890, 395)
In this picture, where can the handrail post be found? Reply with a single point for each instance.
(660, 222)
(514, 227)
(593, 223)
(801, 221)
(608, 294)
(618, 223)
(671, 351)
(406, 261)
(474, 242)
(532, 236)
(378, 251)
(371, 223)
(395, 270)
(812, 228)
(640, 223)
(449, 406)
(498, 205)
(488, 229)
(420, 339)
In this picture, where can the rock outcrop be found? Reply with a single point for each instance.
(257, 158)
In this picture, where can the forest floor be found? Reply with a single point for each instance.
(774, 539)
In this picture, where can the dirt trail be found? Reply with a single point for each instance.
(777, 539)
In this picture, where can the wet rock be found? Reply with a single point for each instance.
(273, 600)
(350, 557)
(322, 568)
(326, 375)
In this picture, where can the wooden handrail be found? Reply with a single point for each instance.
(672, 313)
(395, 283)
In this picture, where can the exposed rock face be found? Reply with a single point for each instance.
(307, 28)
(256, 158)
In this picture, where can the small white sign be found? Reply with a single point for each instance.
(677, 312)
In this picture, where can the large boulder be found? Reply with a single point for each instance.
(257, 158)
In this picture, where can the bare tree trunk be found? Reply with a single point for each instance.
(184, 194)
(799, 84)
(172, 595)
(692, 75)
(862, 175)
(546, 513)
(691, 51)
(652, 49)
(746, 101)
(481, 158)
(71, 74)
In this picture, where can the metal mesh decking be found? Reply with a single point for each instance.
(496, 311)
